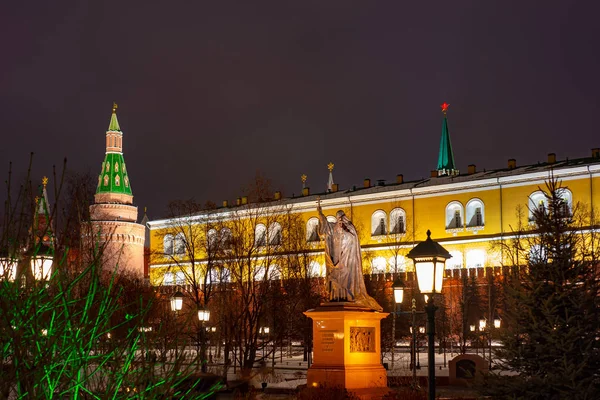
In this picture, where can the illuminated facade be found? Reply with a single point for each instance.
(113, 215)
(467, 213)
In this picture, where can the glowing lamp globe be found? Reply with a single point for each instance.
(398, 291)
(497, 323)
(177, 302)
(204, 315)
(430, 260)
(482, 324)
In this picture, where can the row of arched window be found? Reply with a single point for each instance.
(455, 215)
(174, 244)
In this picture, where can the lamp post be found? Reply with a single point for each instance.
(176, 306)
(430, 258)
(398, 298)
(203, 317)
(264, 332)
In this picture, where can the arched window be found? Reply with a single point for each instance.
(180, 278)
(567, 205)
(456, 261)
(179, 244)
(314, 269)
(226, 238)
(259, 273)
(260, 235)
(168, 279)
(537, 254)
(212, 239)
(397, 221)
(475, 213)
(397, 263)
(105, 180)
(331, 218)
(274, 234)
(168, 244)
(378, 265)
(454, 215)
(274, 272)
(475, 258)
(378, 226)
(538, 203)
(312, 230)
(218, 275)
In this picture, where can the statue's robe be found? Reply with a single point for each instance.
(344, 263)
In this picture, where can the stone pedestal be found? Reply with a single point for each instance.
(347, 347)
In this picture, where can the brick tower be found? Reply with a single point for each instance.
(113, 215)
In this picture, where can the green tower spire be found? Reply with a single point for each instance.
(445, 166)
(113, 178)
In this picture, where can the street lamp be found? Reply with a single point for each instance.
(398, 291)
(176, 306)
(203, 316)
(497, 323)
(430, 260)
(177, 302)
(398, 298)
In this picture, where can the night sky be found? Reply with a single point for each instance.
(209, 93)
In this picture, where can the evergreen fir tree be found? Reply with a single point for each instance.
(551, 326)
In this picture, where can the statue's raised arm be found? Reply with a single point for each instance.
(343, 261)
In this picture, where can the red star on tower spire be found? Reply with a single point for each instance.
(445, 107)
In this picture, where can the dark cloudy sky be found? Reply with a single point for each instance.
(211, 92)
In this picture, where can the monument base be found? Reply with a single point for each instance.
(347, 348)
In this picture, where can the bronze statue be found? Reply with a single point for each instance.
(343, 261)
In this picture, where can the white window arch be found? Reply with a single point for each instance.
(567, 206)
(378, 265)
(455, 215)
(180, 278)
(274, 234)
(475, 213)
(274, 272)
(312, 230)
(226, 238)
(259, 273)
(315, 269)
(168, 244)
(331, 218)
(537, 203)
(537, 254)
(211, 239)
(179, 244)
(260, 235)
(397, 221)
(475, 258)
(168, 279)
(397, 263)
(218, 275)
(456, 261)
(378, 224)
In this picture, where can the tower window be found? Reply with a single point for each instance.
(105, 180)
(117, 180)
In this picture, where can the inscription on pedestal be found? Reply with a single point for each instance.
(327, 340)
(362, 340)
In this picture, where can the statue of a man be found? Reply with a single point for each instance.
(343, 261)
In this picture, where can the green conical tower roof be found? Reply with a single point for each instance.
(113, 177)
(445, 164)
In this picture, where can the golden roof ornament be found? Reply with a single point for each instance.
(45, 181)
(330, 166)
(115, 106)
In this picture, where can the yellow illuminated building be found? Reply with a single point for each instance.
(466, 212)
